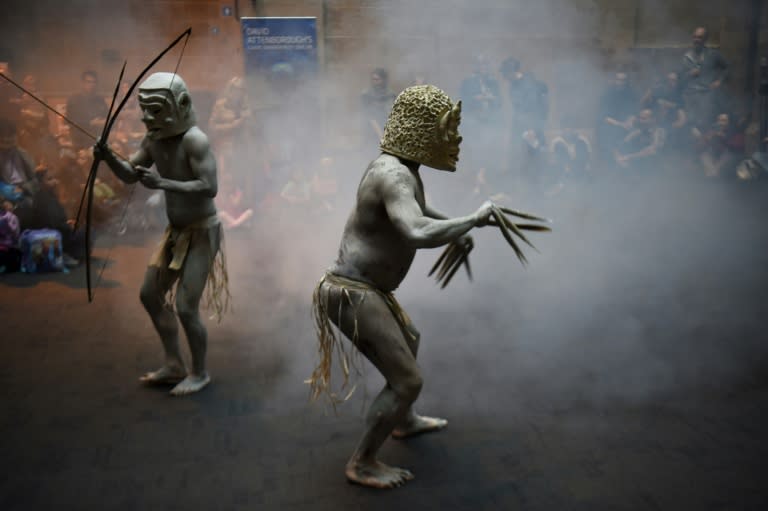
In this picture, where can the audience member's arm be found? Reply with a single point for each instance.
(647, 98)
(651, 149)
(626, 124)
(681, 119)
(722, 66)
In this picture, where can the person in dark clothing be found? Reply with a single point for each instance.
(571, 153)
(702, 73)
(666, 101)
(10, 98)
(482, 117)
(17, 174)
(480, 94)
(721, 147)
(35, 201)
(614, 117)
(50, 214)
(88, 109)
(639, 151)
(530, 101)
(376, 101)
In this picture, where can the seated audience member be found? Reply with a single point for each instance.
(229, 115)
(33, 131)
(324, 185)
(50, 214)
(71, 180)
(298, 189)
(530, 102)
(571, 155)
(17, 173)
(536, 170)
(615, 116)
(230, 200)
(721, 147)
(666, 101)
(106, 202)
(641, 148)
(10, 255)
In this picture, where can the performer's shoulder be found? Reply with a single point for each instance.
(389, 176)
(389, 164)
(195, 138)
(389, 169)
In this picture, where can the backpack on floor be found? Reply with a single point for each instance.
(41, 251)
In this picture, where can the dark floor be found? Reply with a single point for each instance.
(624, 369)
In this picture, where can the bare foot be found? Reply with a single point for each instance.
(417, 424)
(377, 474)
(191, 384)
(164, 375)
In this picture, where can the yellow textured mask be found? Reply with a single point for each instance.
(423, 127)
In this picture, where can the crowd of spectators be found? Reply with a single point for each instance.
(682, 121)
(683, 124)
(43, 170)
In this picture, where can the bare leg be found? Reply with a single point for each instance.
(413, 424)
(156, 285)
(188, 295)
(382, 342)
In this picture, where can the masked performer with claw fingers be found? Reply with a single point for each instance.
(389, 222)
(189, 254)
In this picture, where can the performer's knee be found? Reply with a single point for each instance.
(151, 297)
(186, 309)
(408, 388)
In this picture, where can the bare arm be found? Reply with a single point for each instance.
(221, 125)
(722, 66)
(201, 162)
(431, 212)
(647, 98)
(649, 150)
(626, 124)
(124, 170)
(421, 231)
(681, 119)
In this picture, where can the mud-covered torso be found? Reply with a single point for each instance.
(372, 249)
(172, 162)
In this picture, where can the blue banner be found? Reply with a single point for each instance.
(270, 42)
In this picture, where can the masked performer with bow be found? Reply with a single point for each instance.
(189, 254)
(388, 223)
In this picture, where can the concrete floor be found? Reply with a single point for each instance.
(542, 416)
